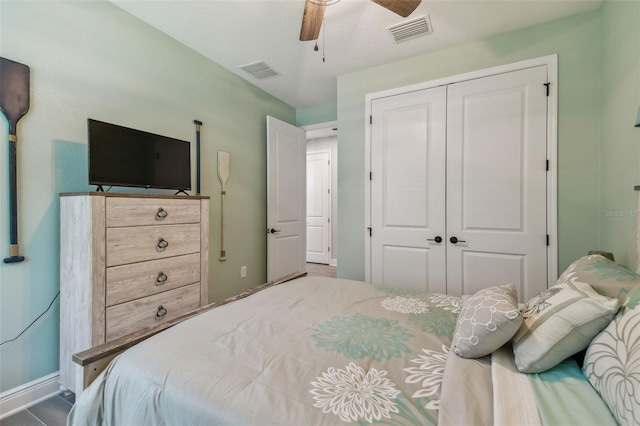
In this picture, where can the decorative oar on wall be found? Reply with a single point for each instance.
(198, 124)
(223, 175)
(14, 104)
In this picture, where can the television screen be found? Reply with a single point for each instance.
(121, 156)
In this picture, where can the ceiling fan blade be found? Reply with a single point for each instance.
(311, 21)
(403, 8)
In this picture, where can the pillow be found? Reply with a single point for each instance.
(559, 322)
(488, 320)
(606, 277)
(613, 359)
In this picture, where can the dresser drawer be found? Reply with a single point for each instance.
(150, 211)
(139, 314)
(136, 280)
(140, 243)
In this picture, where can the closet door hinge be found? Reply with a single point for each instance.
(547, 165)
(547, 84)
(369, 228)
(371, 119)
(370, 176)
(547, 239)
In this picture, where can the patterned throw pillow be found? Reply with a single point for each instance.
(558, 323)
(612, 362)
(488, 320)
(604, 276)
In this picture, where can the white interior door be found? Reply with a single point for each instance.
(318, 207)
(496, 183)
(408, 190)
(286, 199)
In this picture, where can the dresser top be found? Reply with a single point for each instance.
(134, 195)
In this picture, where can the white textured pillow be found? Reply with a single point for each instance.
(558, 323)
(488, 320)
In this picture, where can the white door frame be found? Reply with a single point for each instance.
(551, 62)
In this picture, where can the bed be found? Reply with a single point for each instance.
(321, 351)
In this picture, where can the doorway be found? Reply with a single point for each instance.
(322, 200)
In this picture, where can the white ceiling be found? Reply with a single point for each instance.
(237, 32)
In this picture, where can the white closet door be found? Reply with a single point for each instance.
(496, 183)
(408, 190)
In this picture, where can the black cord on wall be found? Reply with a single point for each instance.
(33, 322)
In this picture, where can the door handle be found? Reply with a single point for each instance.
(437, 239)
(273, 231)
(455, 240)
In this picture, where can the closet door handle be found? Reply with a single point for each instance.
(437, 239)
(455, 240)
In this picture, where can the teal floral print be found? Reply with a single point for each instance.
(360, 337)
(438, 321)
(607, 269)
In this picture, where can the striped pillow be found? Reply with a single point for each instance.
(559, 322)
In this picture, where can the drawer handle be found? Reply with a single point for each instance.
(162, 278)
(161, 312)
(161, 214)
(162, 244)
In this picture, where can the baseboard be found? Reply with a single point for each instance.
(333, 262)
(22, 397)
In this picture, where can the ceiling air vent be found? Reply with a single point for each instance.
(410, 29)
(259, 70)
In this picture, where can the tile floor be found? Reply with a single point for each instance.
(51, 412)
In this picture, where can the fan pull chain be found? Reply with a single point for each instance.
(324, 33)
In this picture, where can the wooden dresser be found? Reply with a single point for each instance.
(127, 262)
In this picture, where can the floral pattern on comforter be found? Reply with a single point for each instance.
(354, 394)
(311, 351)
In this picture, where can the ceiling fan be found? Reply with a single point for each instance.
(314, 13)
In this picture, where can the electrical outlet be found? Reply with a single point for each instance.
(243, 272)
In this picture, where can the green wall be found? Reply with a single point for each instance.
(576, 40)
(316, 114)
(620, 146)
(91, 59)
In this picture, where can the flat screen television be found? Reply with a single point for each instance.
(120, 156)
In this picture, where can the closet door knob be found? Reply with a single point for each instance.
(437, 239)
(455, 240)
